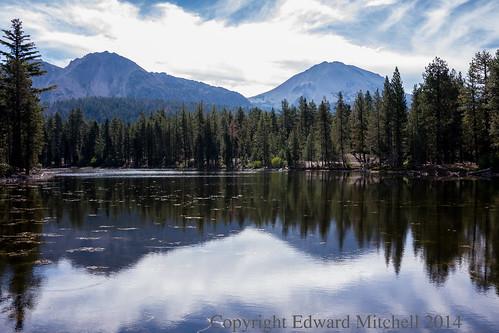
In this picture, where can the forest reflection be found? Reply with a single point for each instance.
(448, 223)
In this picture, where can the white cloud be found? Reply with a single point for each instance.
(181, 43)
(374, 3)
(456, 36)
(250, 268)
(438, 16)
(397, 14)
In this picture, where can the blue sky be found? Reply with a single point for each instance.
(251, 46)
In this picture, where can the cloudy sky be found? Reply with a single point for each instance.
(252, 45)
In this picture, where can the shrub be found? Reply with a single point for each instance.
(277, 162)
(256, 164)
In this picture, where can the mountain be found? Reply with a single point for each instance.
(111, 75)
(326, 79)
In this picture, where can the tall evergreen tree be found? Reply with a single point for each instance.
(58, 149)
(4, 131)
(294, 148)
(306, 118)
(482, 63)
(439, 97)
(341, 130)
(199, 141)
(493, 84)
(261, 151)
(399, 120)
(385, 155)
(416, 143)
(375, 125)
(75, 133)
(227, 140)
(358, 123)
(92, 146)
(475, 106)
(23, 114)
(186, 138)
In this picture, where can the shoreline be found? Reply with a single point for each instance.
(433, 171)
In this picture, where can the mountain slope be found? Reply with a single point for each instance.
(326, 79)
(111, 75)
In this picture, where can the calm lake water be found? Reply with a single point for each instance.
(164, 252)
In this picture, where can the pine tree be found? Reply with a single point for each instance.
(92, 146)
(75, 132)
(239, 134)
(474, 100)
(439, 96)
(261, 149)
(385, 154)
(474, 117)
(358, 123)
(375, 125)
(306, 118)
(24, 122)
(139, 141)
(227, 140)
(399, 120)
(47, 155)
(4, 130)
(294, 148)
(323, 132)
(309, 151)
(117, 136)
(416, 143)
(213, 144)
(482, 63)
(288, 120)
(342, 129)
(57, 140)
(186, 138)
(199, 141)
(493, 86)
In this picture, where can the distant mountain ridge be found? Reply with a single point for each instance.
(108, 74)
(326, 79)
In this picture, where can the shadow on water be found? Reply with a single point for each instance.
(105, 225)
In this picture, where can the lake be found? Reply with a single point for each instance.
(151, 251)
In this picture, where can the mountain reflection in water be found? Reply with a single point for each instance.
(163, 254)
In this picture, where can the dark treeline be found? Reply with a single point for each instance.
(453, 118)
(126, 108)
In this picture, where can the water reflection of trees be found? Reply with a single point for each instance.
(21, 221)
(450, 222)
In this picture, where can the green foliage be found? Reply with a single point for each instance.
(341, 129)
(22, 123)
(439, 108)
(416, 141)
(475, 103)
(493, 104)
(398, 120)
(256, 164)
(374, 124)
(277, 162)
(358, 121)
